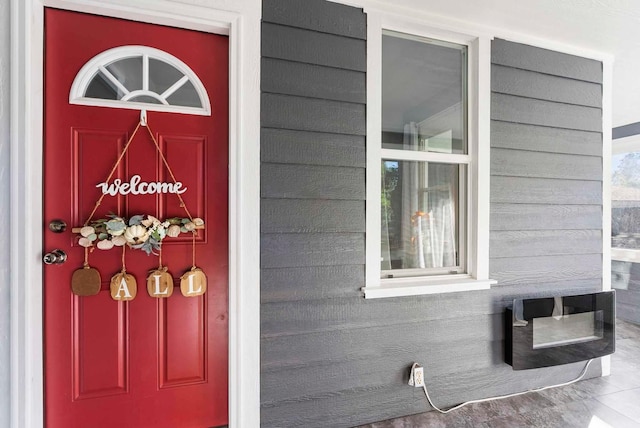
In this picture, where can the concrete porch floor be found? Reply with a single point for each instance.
(612, 401)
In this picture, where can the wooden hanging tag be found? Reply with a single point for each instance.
(160, 283)
(193, 283)
(85, 282)
(123, 287)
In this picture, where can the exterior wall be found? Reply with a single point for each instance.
(5, 89)
(546, 168)
(625, 279)
(328, 356)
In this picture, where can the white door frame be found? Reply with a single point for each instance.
(240, 20)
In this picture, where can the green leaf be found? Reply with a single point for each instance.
(116, 225)
(103, 236)
(92, 237)
(136, 220)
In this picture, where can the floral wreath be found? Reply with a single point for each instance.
(143, 232)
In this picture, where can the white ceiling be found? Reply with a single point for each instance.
(607, 26)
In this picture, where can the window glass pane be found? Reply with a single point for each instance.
(102, 88)
(620, 274)
(420, 216)
(128, 71)
(423, 89)
(625, 204)
(162, 76)
(185, 96)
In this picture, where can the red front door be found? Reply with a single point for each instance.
(149, 362)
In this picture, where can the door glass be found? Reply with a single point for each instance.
(103, 88)
(162, 76)
(185, 96)
(128, 71)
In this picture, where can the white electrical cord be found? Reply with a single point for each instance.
(500, 397)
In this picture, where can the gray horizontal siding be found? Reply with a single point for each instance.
(311, 249)
(308, 80)
(508, 80)
(312, 178)
(319, 16)
(311, 47)
(344, 314)
(518, 163)
(545, 61)
(312, 148)
(544, 243)
(348, 408)
(309, 114)
(311, 283)
(527, 270)
(544, 139)
(312, 182)
(311, 216)
(448, 375)
(329, 347)
(546, 174)
(518, 217)
(521, 190)
(511, 108)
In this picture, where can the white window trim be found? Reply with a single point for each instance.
(98, 63)
(241, 21)
(479, 106)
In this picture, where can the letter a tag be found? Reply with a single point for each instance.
(123, 287)
(160, 283)
(193, 283)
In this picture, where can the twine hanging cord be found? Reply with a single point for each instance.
(115, 167)
(113, 170)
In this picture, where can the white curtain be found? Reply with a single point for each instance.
(428, 210)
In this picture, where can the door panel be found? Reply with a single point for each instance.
(149, 362)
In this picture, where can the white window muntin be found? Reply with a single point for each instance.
(477, 161)
(99, 63)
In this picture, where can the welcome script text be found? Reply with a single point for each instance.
(136, 186)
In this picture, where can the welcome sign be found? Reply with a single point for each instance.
(136, 186)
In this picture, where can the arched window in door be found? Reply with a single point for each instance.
(140, 78)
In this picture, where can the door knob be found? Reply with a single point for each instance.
(55, 257)
(57, 226)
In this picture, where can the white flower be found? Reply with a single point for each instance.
(105, 244)
(150, 220)
(136, 234)
(87, 230)
(198, 221)
(119, 241)
(84, 242)
(173, 231)
(190, 226)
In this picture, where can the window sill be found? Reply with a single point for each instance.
(397, 287)
(625, 255)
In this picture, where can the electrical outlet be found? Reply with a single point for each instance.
(416, 377)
